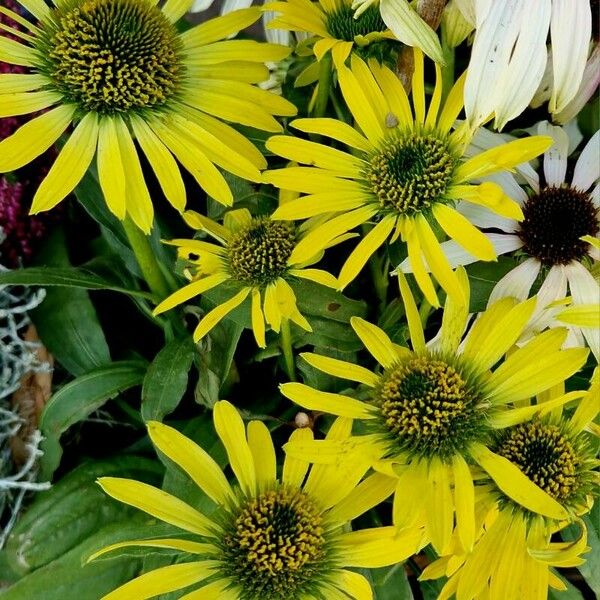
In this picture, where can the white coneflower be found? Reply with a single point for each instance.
(509, 55)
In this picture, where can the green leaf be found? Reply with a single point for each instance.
(76, 277)
(215, 360)
(166, 379)
(66, 320)
(571, 593)
(71, 511)
(391, 583)
(483, 276)
(82, 396)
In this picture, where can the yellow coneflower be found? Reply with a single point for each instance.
(255, 255)
(405, 174)
(513, 553)
(267, 537)
(431, 412)
(119, 71)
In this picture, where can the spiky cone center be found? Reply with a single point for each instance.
(275, 546)
(111, 56)
(410, 172)
(259, 252)
(429, 409)
(555, 220)
(545, 455)
(342, 25)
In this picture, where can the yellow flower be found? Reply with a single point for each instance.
(431, 412)
(405, 174)
(119, 71)
(255, 254)
(268, 538)
(334, 24)
(513, 553)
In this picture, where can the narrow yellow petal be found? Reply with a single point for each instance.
(34, 138)
(459, 228)
(250, 50)
(169, 543)
(295, 468)
(341, 368)
(202, 223)
(309, 180)
(415, 327)
(490, 195)
(10, 83)
(365, 249)
(394, 93)
(175, 9)
(162, 162)
(376, 342)
(505, 156)
(219, 28)
(464, 502)
(190, 291)
(231, 430)
(436, 98)
(110, 167)
(418, 86)
(217, 314)
(378, 547)
(221, 589)
(354, 584)
(370, 88)
(337, 130)
(316, 275)
(453, 105)
(258, 319)
(419, 271)
(162, 581)
(335, 404)
(439, 506)
(15, 53)
(23, 103)
(193, 459)
(271, 308)
(157, 503)
(319, 204)
(263, 452)
(516, 485)
(70, 166)
(455, 316)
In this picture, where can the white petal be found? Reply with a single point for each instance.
(481, 8)
(553, 288)
(595, 195)
(483, 217)
(231, 5)
(275, 36)
(517, 282)
(555, 158)
(492, 47)
(200, 5)
(570, 30)
(587, 169)
(457, 255)
(589, 83)
(575, 136)
(519, 82)
(544, 90)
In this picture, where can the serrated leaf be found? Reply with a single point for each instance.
(166, 379)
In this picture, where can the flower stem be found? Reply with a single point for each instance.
(320, 106)
(140, 244)
(285, 339)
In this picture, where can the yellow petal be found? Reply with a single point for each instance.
(219, 28)
(464, 502)
(217, 314)
(11, 83)
(162, 581)
(170, 543)
(231, 430)
(258, 319)
(415, 327)
(316, 275)
(439, 506)
(15, 53)
(190, 291)
(193, 459)
(70, 166)
(337, 130)
(453, 105)
(455, 316)
(175, 9)
(516, 485)
(157, 503)
(38, 8)
(263, 453)
(34, 138)
(394, 93)
(23, 103)
(365, 249)
(162, 162)
(354, 584)
(418, 86)
(375, 341)
(341, 368)
(490, 195)
(336, 404)
(250, 50)
(419, 271)
(295, 468)
(459, 228)
(110, 168)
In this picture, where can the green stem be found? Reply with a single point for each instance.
(447, 69)
(285, 339)
(378, 267)
(320, 107)
(140, 244)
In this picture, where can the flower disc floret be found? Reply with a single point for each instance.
(555, 220)
(275, 544)
(112, 56)
(545, 455)
(259, 252)
(429, 408)
(342, 25)
(410, 172)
